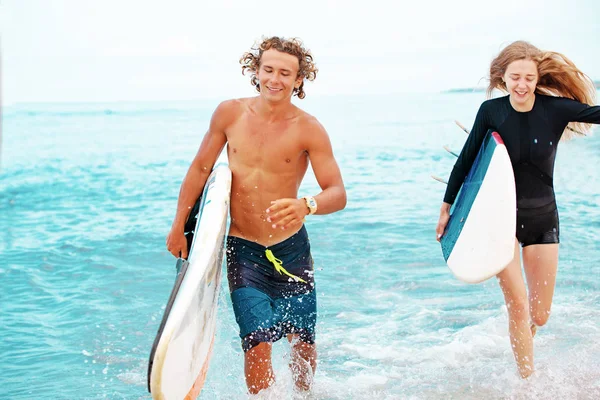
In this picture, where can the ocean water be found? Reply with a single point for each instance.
(87, 196)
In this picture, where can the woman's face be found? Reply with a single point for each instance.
(521, 77)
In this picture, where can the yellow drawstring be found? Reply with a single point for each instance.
(279, 267)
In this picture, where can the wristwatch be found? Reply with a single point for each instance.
(311, 203)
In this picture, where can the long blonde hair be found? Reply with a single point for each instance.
(558, 76)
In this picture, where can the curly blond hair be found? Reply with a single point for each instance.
(558, 76)
(250, 61)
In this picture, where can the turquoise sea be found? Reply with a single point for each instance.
(87, 196)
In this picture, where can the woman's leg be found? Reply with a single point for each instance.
(540, 262)
(515, 296)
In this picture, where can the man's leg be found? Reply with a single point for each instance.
(258, 368)
(253, 310)
(303, 362)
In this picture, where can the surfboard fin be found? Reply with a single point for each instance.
(437, 178)
(461, 126)
(450, 151)
(190, 223)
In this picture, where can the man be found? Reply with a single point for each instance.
(269, 264)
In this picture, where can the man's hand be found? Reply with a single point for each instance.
(177, 243)
(287, 213)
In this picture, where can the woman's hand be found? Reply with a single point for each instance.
(443, 221)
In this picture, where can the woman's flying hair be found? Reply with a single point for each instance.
(558, 76)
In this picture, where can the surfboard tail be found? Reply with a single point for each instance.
(181, 266)
(199, 383)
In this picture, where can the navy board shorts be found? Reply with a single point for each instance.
(272, 289)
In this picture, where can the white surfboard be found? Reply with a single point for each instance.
(479, 241)
(181, 353)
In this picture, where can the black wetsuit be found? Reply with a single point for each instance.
(531, 139)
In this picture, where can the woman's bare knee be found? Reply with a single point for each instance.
(518, 310)
(540, 317)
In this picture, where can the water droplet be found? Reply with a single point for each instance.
(550, 143)
(534, 140)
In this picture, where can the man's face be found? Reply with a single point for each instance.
(278, 75)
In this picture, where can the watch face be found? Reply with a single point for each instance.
(311, 203)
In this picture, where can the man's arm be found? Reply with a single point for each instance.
(326, 170)
(287, 213)
(212, 144)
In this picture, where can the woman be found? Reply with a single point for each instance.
(546, 93)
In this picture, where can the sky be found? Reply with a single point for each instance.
(133, 50)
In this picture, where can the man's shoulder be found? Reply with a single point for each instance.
(228, 111)
(309, 122)
(232, 105)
